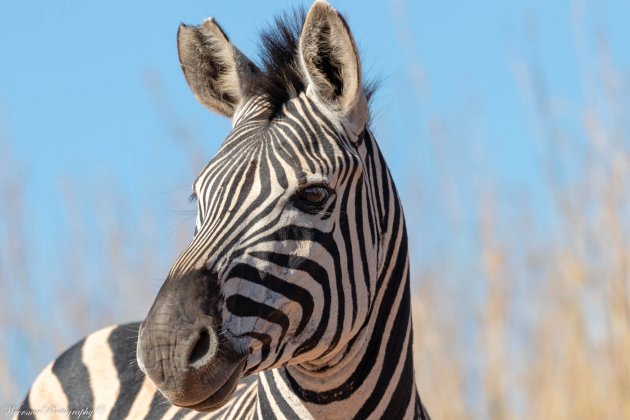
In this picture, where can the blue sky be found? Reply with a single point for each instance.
(76, 75)
(91, 95)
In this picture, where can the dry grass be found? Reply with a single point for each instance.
(550, 335)
(107, 271)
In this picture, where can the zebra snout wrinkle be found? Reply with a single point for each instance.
(167, 351)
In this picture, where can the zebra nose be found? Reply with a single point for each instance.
(203, 348)
(173, 357)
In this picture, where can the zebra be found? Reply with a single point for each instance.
(292, 299)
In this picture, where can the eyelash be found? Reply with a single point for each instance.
(192, 198)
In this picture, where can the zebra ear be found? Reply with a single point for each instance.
(331, 62)
(220, 76)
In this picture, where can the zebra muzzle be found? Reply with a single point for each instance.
(180, 350)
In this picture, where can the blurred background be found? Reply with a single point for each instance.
(506, 126)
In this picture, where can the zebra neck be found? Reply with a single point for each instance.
(375, 376)
(372, 375)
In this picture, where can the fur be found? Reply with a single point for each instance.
(283, 76)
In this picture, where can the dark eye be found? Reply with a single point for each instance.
(314, 195)
(312, 198)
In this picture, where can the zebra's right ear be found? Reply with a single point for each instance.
(220, 76)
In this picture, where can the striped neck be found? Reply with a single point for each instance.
(372, 375)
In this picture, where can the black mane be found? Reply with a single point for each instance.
(282, 77)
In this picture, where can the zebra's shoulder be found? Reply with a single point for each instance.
(89, 375)
(99, 377)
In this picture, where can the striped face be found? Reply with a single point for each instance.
(282, 266)
(277, 230)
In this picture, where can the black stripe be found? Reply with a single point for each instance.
(265, 339)
(402, 396)
(363, 241)
(263, 403)
(420, 411)
(180, 414)
(159, 406)
(240, 305)
(288, 290)
(392, 351)
(122, 342)
(344, 227)
(74, 378)
(284, 407)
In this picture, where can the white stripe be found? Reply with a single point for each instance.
(47, 394)
(142, 403)
(99, 362)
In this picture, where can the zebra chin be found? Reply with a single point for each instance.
(180, 350)
(217, 393)
(217, 397)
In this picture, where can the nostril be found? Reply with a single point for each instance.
(203, 350)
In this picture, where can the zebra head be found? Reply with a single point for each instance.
(283, 266)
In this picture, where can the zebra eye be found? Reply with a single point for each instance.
(312, 197)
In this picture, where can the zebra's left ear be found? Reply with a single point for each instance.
(331, 63)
